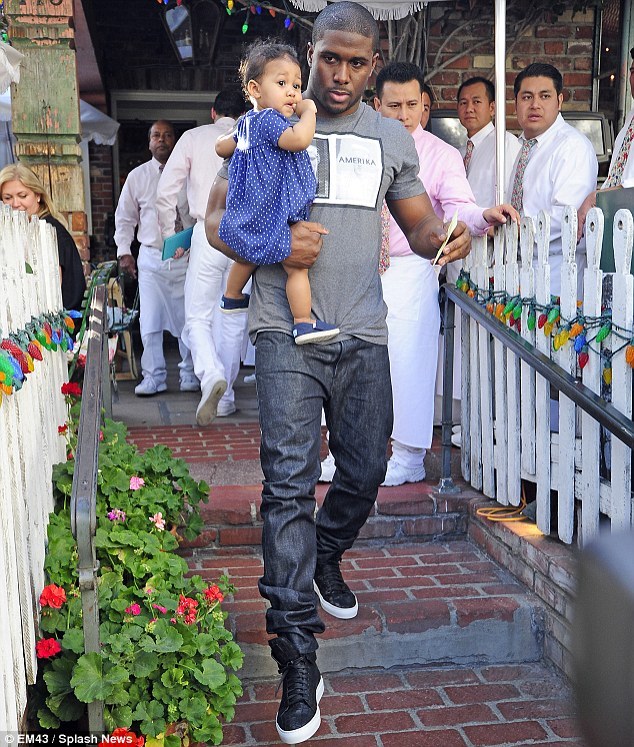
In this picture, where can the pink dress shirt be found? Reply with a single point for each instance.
(443, 175)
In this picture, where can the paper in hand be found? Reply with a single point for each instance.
(450, 229)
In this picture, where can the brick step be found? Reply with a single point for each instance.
(441, 602)
(403, 514)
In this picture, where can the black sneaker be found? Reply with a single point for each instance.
(298, 716)
(333, 592)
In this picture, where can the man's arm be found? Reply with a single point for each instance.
(425, 232)
(306, 236)
(126, 219)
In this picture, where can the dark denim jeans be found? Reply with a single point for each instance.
(351, 381)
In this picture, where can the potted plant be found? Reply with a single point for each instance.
(166, 656)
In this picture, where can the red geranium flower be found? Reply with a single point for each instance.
(71, 389)
(61, 429)
(52, 596)
(47, 648)
(213, 594)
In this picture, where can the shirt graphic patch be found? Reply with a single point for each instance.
(348, 169)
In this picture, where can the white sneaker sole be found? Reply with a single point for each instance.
(207, 409)
(305, 732)
(342, 613)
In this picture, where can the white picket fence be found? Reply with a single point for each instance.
(507, 407)
(29, 447)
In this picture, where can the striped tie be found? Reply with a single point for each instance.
(467, 155)
(517, 197)
(618, 164)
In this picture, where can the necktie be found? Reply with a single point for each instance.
(468, 154)
(178, 222)
(384, 257)
(618, 164)
(517, 196)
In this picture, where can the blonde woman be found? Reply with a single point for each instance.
(21, 189)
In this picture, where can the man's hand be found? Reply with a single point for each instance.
(589, 202)
(306, 241)
(499, 214)
(459, 244)
(127, 265)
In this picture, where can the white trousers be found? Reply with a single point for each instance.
(410, 290)
(161, 298)
(214, 338)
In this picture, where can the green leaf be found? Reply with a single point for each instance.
(212, 674)
(95, 680)
(209, 731)
(66, 706)
(207, 644)
(144, 664)
(57, 678)
(194, 708)
(174, 677)
(73, 640)
(166, 639)
(47, 719)
(152, 717)
(119, 715)
(232, 656)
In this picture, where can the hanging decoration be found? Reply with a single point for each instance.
(257, 7)
(21, 349)
(585, 333)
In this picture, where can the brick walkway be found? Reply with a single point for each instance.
(407, 592)
(495, 706)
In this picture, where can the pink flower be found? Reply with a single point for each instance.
(116, 515)
(160, 608)
(158, 521)
(136, 482)
(133, 609)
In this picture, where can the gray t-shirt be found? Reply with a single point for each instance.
(358, 159)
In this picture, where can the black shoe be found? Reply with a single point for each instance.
(333, 592)
(298, 716)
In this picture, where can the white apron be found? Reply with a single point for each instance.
(410, 290)
(161, 292)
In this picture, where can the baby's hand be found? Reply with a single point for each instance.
(305, 105)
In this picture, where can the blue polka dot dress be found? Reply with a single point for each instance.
(268, 189)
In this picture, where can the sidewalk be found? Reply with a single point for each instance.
(446, 649)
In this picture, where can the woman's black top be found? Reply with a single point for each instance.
(73, 279)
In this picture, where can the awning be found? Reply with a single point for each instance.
(10, 60)
(95, 125)
(382, 9)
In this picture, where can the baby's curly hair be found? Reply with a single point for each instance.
(258, 55)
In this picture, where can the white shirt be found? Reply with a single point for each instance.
(562, 170)
(193, 161)
(627, 178)
(136, 207)
(482, 173)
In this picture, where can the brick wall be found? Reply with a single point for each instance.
(102, 198)
(567, 44)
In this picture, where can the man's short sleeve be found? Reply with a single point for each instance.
(406, 182)
(272, 125)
